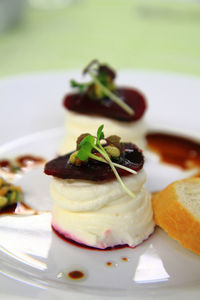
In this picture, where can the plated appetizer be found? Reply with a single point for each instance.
(99, 194)
(98, 101)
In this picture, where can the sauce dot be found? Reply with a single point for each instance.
(76, 275)
(124, 259)
(111, 264)
(73, 274)
(13, 166)
(25, 161)
(5, 166)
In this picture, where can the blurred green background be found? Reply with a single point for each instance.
(153, 35)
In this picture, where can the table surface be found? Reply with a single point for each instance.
(156, 35)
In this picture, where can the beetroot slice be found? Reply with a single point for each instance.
(60, 167)
(81, 103)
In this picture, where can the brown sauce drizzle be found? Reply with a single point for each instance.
(24, 161)
(176, 150)
(5, 166)
(124, 259)
(19, 208)
(76, 275)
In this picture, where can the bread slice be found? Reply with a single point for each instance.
(177, 211)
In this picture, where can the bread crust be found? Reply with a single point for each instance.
(175, 219)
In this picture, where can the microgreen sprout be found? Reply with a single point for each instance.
(80, 86)
(90, 143)
(102, 84)
(111, 95)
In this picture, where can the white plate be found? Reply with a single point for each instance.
(32, 120)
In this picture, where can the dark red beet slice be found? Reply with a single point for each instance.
(60, 167)
(81, 103)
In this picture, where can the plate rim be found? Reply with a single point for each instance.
(32, 75)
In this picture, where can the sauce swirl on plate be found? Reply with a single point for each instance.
(176, 150)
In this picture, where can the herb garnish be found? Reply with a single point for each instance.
(102, 85)
(80, 86)
(91, 147)
(9, 194)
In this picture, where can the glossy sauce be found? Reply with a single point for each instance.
(19, 208)
(29, 161)
(111, 264)
(5, 166)
(175, 150)
(76, 275)
(19, 163)
(124, 259)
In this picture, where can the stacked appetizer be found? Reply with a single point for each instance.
(98, 192)
(101, 101)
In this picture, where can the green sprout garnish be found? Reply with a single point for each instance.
(102, 85)
(90, 143)
(80, 86)
(111, 95)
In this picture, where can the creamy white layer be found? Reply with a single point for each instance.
(76, 124)
(101, 214)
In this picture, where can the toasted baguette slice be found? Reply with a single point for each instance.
(177, 211)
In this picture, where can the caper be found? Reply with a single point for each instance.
(72, 158)
(3, 191)
(78, 162)
(1, 181)
(13, 197)
(113, 151)
(3, 201)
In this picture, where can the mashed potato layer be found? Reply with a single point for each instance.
(76, 124)
(102, 215)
